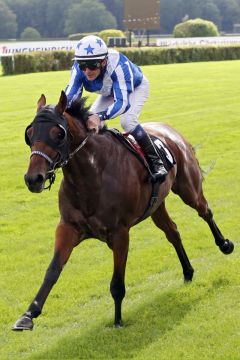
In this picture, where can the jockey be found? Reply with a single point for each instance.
(123, 90)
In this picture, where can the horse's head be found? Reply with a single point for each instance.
(47, 138)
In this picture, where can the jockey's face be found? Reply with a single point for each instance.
(91, 73)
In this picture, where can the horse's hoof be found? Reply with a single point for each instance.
(24, 323)
(227, 247)
(188, 275)
(118, 325)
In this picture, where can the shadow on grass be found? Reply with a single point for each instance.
(149, 322)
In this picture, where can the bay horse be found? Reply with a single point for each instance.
(105, 191)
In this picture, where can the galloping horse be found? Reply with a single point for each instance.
(105, 191)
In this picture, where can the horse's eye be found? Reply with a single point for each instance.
(28, 135)
(57, 134)
(61, 135)
(30, 132)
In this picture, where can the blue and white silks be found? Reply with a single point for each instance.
(120, 78)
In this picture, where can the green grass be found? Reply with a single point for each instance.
(164, 319)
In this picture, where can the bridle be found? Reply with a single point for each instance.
(51, 119)
(51, 174)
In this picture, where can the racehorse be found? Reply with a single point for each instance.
(105, 191)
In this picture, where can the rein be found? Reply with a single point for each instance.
(77, 149)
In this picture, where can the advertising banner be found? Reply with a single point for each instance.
(16, 47)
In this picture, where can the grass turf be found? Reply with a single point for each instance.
(163, 318)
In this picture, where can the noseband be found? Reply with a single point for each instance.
(49, 118)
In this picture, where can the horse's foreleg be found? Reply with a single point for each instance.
(119, 245)
(66, 239)
(165, 223)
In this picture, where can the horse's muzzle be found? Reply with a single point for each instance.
(35, 183)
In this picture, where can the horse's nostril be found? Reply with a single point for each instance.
(33, 180)
(39, 178)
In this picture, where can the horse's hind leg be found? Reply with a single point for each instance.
(165, 223)
(189, 188)
(225, 245)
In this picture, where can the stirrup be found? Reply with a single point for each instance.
(159, 176)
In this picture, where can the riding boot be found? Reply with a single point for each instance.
(154, 160)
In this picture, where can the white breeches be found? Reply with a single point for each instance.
(129, 120)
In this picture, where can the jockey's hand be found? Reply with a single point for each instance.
(93, 122)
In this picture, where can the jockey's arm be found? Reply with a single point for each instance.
(119, 106)
(122, 88)
(75, 86)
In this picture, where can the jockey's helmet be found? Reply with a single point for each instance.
(90, 47)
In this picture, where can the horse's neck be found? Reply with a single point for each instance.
(90, 160)
(98, 153)
(77, 132)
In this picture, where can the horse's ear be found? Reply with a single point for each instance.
(41, 102)
(62, 103)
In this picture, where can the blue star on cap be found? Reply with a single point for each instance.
(89, 49)
(99, 41)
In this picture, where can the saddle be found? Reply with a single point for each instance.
(167, 157)
(131, 144)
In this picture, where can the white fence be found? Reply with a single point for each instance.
(218, 40)
(11, 48)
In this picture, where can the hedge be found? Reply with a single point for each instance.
(79, 36)
(105, 34)
(195, 28)
(36, 62)
(62, 60)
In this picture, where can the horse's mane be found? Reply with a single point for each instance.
(79, 109)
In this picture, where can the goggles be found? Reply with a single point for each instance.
(90, 64)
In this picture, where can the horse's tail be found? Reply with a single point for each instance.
(206, 171)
